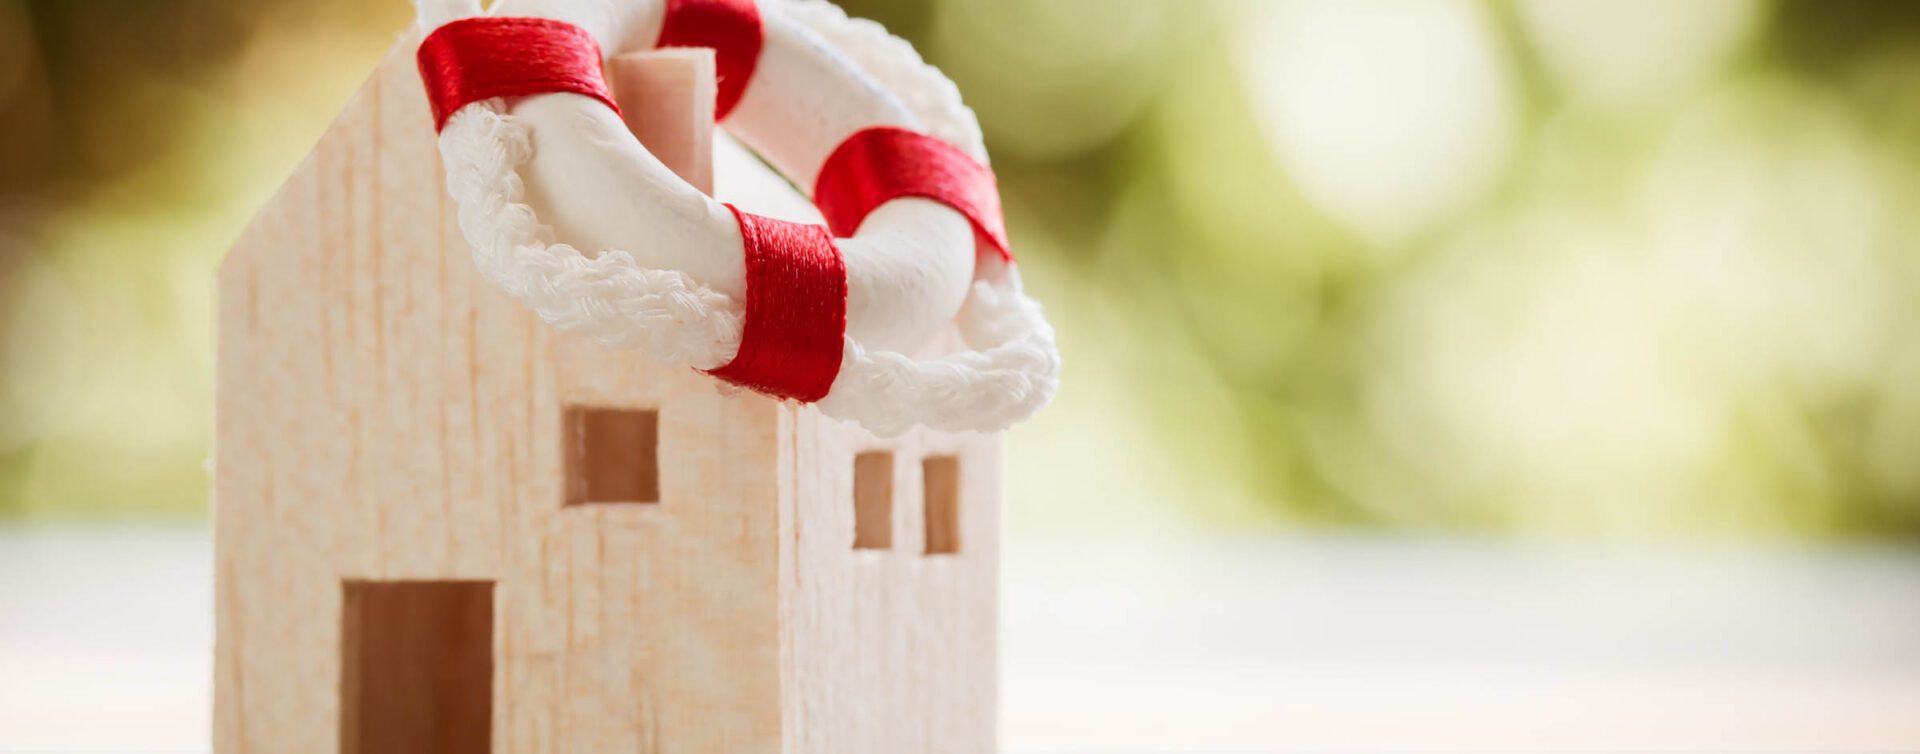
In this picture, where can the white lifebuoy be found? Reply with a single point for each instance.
(541, 177)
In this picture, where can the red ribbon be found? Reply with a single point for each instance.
(472, 59)
(883, 163)
(796, 310)
(731, 28)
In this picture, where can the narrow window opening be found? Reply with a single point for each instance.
(613, 455)
(873, 501)
(416, 667)
(940, 476)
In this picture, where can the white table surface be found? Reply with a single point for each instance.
(1191, 645)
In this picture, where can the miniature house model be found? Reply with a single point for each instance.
(443, 526)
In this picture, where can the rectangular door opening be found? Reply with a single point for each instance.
(416, 673)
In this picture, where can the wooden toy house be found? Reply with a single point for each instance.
(442, 526)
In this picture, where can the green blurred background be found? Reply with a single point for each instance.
(1563, 268)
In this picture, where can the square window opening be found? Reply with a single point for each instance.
(613, 455)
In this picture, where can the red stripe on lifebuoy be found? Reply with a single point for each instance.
(472, 59)
(880, 164)
(731, 28)
(796, 310)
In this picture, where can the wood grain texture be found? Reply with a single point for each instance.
(383, 414)
(891, 650)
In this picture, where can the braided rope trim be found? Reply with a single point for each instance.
(1010, 375)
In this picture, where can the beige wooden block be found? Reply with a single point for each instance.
(393, 451)
(659, 94)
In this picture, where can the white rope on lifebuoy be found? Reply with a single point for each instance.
(678, 299)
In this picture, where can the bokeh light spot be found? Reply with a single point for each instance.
(1391, 115)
